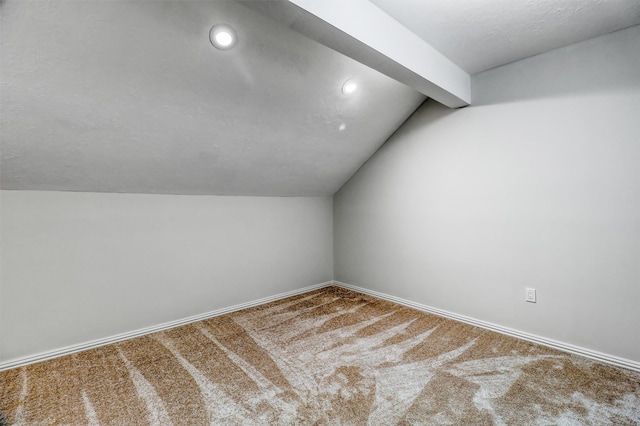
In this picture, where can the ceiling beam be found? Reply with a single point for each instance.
(362, 31)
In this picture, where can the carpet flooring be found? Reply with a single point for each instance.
(328, 357)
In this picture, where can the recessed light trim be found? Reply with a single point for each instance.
(349, 86)
(223, 36)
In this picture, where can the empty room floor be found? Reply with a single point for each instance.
(330, 356)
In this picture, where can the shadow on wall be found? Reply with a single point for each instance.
(602, 64)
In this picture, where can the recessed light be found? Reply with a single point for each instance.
(349, 87)
(223, 37)
(342, 127)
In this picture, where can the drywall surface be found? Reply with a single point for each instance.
(82, 266)
(131, 96)
(480, 35)
(462, 209)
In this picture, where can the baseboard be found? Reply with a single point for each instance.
(68, 350)
(565, 347)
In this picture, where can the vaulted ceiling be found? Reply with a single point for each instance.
(131, 96)
(482, 34)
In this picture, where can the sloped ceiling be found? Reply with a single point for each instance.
(480, 35)
(130, 96)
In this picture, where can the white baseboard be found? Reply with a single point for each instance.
(43, 356)
(565, 347)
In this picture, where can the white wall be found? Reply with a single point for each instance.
(82, 266)
(536, 185)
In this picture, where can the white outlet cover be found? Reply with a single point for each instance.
(531, 295)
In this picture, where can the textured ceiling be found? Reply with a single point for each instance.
(481, 34)
(130, 96)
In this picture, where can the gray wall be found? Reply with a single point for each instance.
(536, 185)
(82, 266)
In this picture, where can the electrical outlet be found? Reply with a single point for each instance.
(531, 295)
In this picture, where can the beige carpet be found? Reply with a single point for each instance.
(329, 357)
